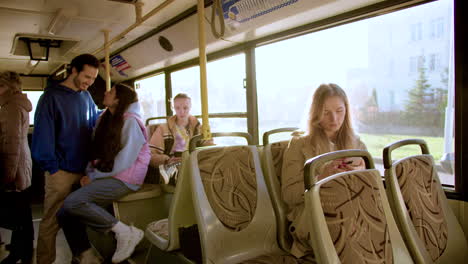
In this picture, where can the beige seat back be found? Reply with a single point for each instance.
(235, 217)
(181, 212)
(430, 229)
(354, 209)
(272, 161)
(150, 129)
(164, 234)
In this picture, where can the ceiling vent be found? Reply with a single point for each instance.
(38, 47)
(165, 43)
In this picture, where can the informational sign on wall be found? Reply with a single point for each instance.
(119, 64)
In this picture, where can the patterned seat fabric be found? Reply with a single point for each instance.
(229, 180)
(276, 154)
(277, 151)
(355, 218)
(160, 228)
(420, 193)
(279, 259)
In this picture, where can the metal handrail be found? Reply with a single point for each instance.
(194, 141)
(214, 115)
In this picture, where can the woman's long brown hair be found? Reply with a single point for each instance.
(345, 138)
(106, 143)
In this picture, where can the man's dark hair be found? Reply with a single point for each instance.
(79, 61)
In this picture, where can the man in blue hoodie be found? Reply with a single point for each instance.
(63, 126)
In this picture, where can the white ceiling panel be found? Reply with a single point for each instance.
(84, 20)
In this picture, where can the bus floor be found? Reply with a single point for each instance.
(63, 253)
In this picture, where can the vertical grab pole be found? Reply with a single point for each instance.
(106, 63)
(202, 54)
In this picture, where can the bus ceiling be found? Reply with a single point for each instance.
(139, 40)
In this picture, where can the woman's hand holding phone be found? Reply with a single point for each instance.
(353, 163)
(332, 167)
(173, 160)
(342, 165)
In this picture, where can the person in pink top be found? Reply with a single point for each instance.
(120, 161)
(172, 138)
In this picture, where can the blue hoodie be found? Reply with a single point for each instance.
(63, 125)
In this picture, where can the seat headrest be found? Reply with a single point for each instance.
(151, 128)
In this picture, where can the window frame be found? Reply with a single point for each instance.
(460, 190)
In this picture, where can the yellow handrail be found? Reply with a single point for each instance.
(106, 63)
(203, 80)
(140, 20)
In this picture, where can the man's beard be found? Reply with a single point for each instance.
(77, 83)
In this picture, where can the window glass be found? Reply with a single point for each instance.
(33, 96)
(226, 93)
(151, 94)
(228, 125)
(188, 81)
(414, 100)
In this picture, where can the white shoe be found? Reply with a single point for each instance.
(126, 242)
(168, 171)
(163, 171)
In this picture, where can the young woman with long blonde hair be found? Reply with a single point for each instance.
(329, 129)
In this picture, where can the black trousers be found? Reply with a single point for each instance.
(16, 215)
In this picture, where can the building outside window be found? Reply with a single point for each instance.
(416, 31)
(436, 28)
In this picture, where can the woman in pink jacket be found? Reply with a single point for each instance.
(120, 160)
(15, 168)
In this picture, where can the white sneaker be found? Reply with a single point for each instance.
(126, 243)
(168, 171)
(164, 174)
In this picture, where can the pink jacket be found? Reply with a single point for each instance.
(137, 172)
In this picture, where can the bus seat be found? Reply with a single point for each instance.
(272, 161)
(151, 128)
(136, 208)
(153, 176)
(353, 207)
(164, 233)
(235, 217)
(430, 228)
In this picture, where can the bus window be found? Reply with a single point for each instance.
(226, 93)
(397, 70)
(33, 96)
(188, 81)
(151, 94)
